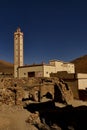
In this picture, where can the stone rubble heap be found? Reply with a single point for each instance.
(13, 90)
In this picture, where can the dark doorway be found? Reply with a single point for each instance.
(57, 94)
(31, 74)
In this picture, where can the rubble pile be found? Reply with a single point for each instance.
(49, 102)
(33, 118)
(13, 90)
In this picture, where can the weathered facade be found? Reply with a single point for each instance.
(62, 66)
(44, 70)
(77, 82)
(70, 79)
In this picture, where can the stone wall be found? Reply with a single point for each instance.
(13, 91)
(70, 79)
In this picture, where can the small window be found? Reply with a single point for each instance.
(46, 72)
(24, 73)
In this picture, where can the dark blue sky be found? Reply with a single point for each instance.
(53, 29)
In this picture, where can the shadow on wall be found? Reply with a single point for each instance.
(57, 94)
(83, 95)
(48, 95)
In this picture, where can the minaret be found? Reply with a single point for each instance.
(18, 50)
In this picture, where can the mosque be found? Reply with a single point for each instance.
(43, 70)
(35, 70)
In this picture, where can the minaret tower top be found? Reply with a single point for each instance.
(18, 29)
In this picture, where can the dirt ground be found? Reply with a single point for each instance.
(14, 118)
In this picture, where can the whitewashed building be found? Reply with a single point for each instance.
(44, 70)
(82, 80)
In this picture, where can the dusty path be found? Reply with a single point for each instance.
(14, 119)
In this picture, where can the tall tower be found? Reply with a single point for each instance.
(18, 50)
